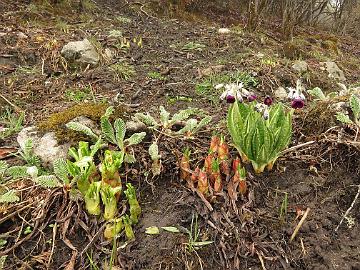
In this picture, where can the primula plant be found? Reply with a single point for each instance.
(259, 133)
(355, 108)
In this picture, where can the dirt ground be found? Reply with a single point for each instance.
(35, 79)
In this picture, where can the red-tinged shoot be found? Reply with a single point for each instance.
(214, 144)
(194, 178)
(235, 164)
(216, 176)
(208, 163)
(203, 184)
(185, 165)
(242, 183)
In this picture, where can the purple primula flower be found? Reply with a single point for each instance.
(251, 97)
(297, 103)
(268, 101)
(230, 98)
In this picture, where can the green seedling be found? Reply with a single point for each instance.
(156, 76)
(156, 159)
(167, 122)
(193, 243)
(10, 123)
(193, 46)
(109, 200)
(355, 108)
(135, 209)
(257, 139)
(92, 199)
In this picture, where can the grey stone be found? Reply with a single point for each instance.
(45, 146)
(300, 66)
(334, 71)
(281, 93)
(82, 52)
(135, 126)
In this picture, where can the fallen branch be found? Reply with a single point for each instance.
(349, 209)
(297, 228)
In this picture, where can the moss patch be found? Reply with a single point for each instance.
(56, 122)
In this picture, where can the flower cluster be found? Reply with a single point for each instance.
(235, 91)
(297, 98)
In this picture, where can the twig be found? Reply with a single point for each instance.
(349, 209)
(299, 224)
(53, 245)
(261, 261)
(296, 147)
(18, 109)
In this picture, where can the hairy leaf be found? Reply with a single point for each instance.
(343, 118)
(355, 106)
(61, 170)
(147, 119)
(83, 129)
(107, 130)
(317, 93)
(120, 128)
(136, 138)
(47, 181)
(9, 197)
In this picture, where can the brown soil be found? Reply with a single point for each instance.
(242, 240)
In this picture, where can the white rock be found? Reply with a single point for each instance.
(281, 93)
(224, 31)
(46, 147)
(300, 66)
(81, 51)
(334, 71)
(21, 35)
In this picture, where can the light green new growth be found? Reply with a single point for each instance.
(258, 140)
(109, 200)
(135, 209)
(92, 199)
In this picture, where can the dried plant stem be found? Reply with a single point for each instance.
(349, 209)
(297, 228)
(18, 109)
(296, 147)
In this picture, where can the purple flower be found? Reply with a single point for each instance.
(268, 101)
(297, 103)
(251, 97)
(230, 99)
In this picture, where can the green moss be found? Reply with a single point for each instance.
(56, 122)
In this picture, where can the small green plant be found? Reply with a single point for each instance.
(174, 99)
(62, 26)
(12, 123)
(156, 76)
(166, 123)
(193, 46)
(258, 139)
(78, 95)
(123, 19)
(123, 71)
(27, 154)
(355, 108)
(9, 197)
(193, 243)
(156, 159)
(318, 94)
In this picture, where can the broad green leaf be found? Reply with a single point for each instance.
(343, 118)
(154, 151)
(355, 106)
(47, 181)
(171, 229)
(120, 128)
(147, 119)
(82, 128)
(9, 197)
(164, 116)
(61, 170)
(129, 158)
(136, 138)
(317, 93)
(107, 130)
(152, 230)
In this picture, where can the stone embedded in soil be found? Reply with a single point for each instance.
(334, 72)
(300, 66)
(280, 93)
(45, 146)
(82, 52)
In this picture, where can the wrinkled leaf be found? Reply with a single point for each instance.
(171, 229)
(152, 230)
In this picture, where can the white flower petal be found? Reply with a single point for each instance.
(219, 86)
